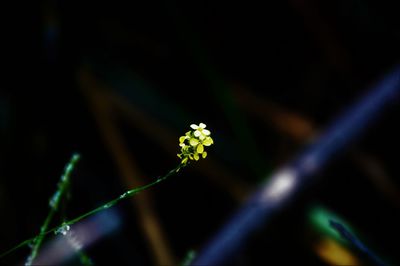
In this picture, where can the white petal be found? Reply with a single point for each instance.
(206, 132)
(197, 133)
(202, 125)
(194, 126)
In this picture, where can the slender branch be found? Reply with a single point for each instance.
(105, 206)
(125, 195)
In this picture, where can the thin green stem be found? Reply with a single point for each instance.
(54, 203)
(125, 195)
(105, 206)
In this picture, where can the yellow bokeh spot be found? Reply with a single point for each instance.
(334, 253)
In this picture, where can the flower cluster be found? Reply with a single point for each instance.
(192, 144)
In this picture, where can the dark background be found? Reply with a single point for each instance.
(262, 76)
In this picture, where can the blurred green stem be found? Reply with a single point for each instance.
(54, 203)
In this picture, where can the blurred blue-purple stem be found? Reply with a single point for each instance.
(357, 243)
(283, 185)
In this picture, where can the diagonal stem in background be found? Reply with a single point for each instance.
(283, 187)
(302, 130)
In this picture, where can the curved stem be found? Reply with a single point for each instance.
(105, 206)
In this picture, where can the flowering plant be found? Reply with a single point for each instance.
(192, 144)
